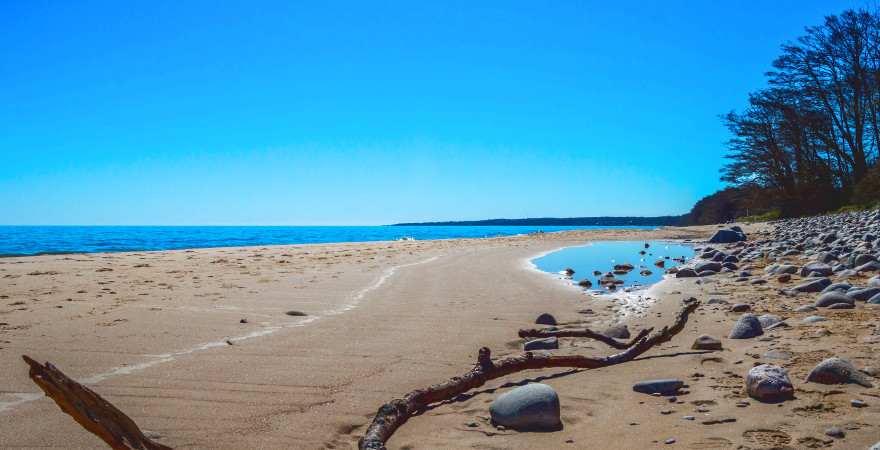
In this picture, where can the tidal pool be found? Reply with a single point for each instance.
(603, 256)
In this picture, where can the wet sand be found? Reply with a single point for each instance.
(159, 334)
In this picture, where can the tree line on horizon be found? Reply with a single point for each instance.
(807, 143)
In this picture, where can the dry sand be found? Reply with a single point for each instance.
(159, 335)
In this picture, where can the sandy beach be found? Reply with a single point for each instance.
(208, 348)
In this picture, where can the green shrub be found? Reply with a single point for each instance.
(766, 217)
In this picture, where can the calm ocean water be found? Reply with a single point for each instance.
(33, 240)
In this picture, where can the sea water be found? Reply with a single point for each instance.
(34, 240)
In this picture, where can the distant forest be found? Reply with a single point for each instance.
(807, 143)
(562, 222)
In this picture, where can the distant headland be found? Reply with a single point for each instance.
(560, 221)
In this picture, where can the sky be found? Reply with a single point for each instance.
(364, 113)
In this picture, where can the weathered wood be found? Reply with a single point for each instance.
(396, 412)
(89, 409)
(585, 333)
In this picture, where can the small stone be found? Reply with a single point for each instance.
(835, 432)
(550, 343)
(740, 307)
(830, 298)
(243, 321)
(534, 406)
(618, 331)
(856, 403)
(768, 383)
(669, 441)
(814, 319)
(666, 412)
(746, 327)
(706, 342)
(688, 417)
(663, 386)
(545, 319)
(296, 313)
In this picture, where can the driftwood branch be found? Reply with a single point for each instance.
(584, 333)
(396, 412)
(89, 409)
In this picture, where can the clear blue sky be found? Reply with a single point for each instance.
(186, 112)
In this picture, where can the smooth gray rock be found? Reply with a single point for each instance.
(768, 320)
(705, 342)
(806, 308)
(835, 432)
(727, 237)
(841, 306)
(687, 272)
(829, 298)
(837, 287)
(534, 406)
(814, 319)
(836, 370)
(875, 300)
(617, 331)
(812, 285)
(872, 266)
(746, 327)
(874, 281)
(740, 307)
(550, 343)
(863, 294)
(768, 383)
(816, 267)
(709, 265)
(545, 319)
(662, 386)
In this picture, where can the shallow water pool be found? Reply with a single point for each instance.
(603, 256)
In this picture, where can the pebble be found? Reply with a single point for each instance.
(746, 327)
(534, 406)
(661, 387)
(856, 403)
(835, 432)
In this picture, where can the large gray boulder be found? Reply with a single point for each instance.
(816, 267)
(747, 327)
(837, 371)
(863, 294)
(813, 285)
(829, 298)
(708, 265)
(768, 383)
(534, 406)
(727, 237)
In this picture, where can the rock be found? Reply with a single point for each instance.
(568, 271)
(838, 287)
(534, 406)
(816, 267)
(835, 432)
(874, 281)
(872, 266)
(296, 313)
(664, 386)
(812, 286)
(710, 265)
(617, 331)
(856, 403)
(768, 320)
(585, 283)
(717, 420)
(746, 327)
(841, 306)
(545, 319)
(814, 319)
(875, 300)
(550, 343)
(686, 273)
(864, 294)
(740, 307)
(837, 371)
(806, 308)
(830, 298)
(784, 278)
(705, 342)
(727, 237)
(768, 383)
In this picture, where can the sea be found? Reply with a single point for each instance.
(38, 240)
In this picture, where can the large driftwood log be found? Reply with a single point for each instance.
(396, 412)
(585, 333)
(90, 410)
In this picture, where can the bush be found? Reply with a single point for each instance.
(766, 217)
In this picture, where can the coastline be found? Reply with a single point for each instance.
(423, 309)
